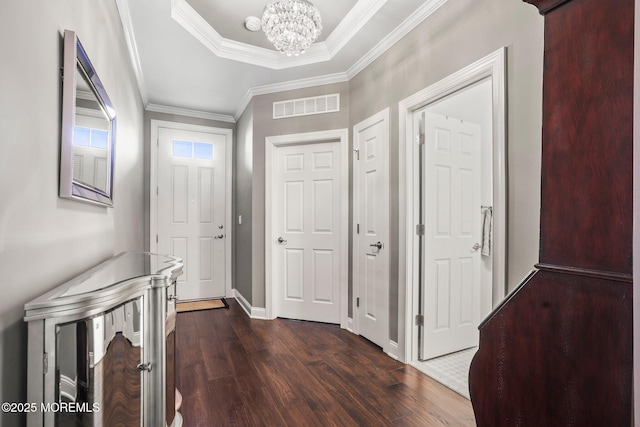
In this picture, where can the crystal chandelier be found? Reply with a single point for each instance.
(291, 25)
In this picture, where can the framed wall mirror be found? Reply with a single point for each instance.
(88, 129)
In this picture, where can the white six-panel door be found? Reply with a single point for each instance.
(191, 209)
(371, 218)
(306, 231)
(452, 219)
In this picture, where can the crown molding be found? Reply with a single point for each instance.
(422, 13)
(132, 47)
(407, 25)
(190, 113)
(254, 91)
(195, 24)
(290, 85)
(352, 23)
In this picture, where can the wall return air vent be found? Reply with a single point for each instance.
(306, 106)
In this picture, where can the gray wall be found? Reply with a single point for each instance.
(263, 126)
(243, 170)
(45, 240)
(459, 33)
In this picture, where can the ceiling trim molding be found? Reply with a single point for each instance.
(290, 85)
(407, 25)
(190, 113)
(353, 22)
(422, 13)
(132, 47)
(197, 26)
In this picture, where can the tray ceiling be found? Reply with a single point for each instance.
(195, 57)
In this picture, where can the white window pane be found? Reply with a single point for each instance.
(81, 136)
(203, 151)
(99, 138)
(183, 149)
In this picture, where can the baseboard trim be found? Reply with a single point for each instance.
(393, 350)
(252, 312)
(243, 302)
(350, 326)
(259, 313)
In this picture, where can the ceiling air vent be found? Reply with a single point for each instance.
(306, 106)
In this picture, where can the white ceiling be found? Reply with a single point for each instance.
(195, 57)
(227, 17)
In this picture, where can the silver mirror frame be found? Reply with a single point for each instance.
(76, 59)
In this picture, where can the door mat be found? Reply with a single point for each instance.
(209, 304)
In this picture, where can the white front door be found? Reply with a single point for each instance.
(306, 231)
(191, 209)
(451, 244)
(371, 218)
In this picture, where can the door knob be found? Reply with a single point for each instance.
(219, 236)
(281, 241)
(377, 245)
(475, 247)
(144, 367)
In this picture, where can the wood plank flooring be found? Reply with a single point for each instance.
(237, 371)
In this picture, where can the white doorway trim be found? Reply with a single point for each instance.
(636, 221)
(156, 125)
(492, 66)
(271, 145)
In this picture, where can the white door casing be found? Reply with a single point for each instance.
(493, 67)
(307, 206)
(451, 244)
(371, 226)
(190, 205)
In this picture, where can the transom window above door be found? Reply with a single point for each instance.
(90, 137)
(192, 150)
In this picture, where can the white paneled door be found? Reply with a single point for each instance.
(371, 218)
(191, 208)
(451, 244)
(306, 230)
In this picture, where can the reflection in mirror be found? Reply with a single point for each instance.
(90, 137)
(88, 130)
(90, 355)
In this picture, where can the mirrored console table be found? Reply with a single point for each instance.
(102, 345)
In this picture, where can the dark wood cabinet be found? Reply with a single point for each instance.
(558, 351)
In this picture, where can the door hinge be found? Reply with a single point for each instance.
(357, 151)
(357, 228)
(156, 238)
(420, 139)
(420, 229)
(419, 320)
(157, 190)
(45, 363)
(358, 302)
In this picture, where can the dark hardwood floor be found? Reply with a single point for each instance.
(235, 371)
